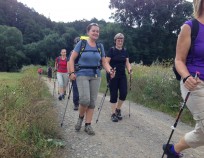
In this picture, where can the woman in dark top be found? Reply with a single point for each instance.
(119, 59)
(49, 73)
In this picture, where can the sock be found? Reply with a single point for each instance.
(173, 150)
(86, 124)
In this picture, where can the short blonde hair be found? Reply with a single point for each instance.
(119, 35)
(198, 8)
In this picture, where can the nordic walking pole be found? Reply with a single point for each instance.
(130, 88)
(102, 101)
(177, 119)
(66, 105)
(54, 80)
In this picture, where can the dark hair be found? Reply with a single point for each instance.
(76, 40)
(88, 28)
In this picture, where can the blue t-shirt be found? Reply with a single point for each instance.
(118, 60)
(90, 57)
(195, 60)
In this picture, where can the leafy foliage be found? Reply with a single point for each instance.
(150, 28)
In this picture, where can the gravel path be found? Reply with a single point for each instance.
(139, 136)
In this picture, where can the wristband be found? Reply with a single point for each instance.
(71, 73)
(184, 79)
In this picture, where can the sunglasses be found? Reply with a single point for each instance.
(93, 24)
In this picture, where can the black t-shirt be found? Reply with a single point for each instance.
(118, 60)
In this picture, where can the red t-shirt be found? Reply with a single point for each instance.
(40, 70)
(61, 65)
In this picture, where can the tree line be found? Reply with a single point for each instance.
(150, 27)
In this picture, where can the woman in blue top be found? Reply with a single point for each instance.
(187, 63)
(119, 59)
(88, 75)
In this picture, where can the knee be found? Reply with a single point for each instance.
(113, 99)
(84, 101)
(123, 96)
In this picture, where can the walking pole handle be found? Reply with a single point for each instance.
(181, 110)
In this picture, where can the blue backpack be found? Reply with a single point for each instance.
(83, 50)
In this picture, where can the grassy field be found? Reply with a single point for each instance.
(155, 87)
(10, 79)
(28, 118)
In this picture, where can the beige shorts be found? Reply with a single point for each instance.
(195, 104)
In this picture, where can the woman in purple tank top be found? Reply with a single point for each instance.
(187, 63)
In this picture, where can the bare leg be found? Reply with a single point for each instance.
(181, 145)
(89, 115)
(82, 110)
(120, 102)
(113, 107)
(61, 90)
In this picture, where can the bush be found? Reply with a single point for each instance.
(27, 117)
(156, 87)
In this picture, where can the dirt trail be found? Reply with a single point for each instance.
(140, 136)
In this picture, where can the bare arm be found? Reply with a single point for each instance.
(108, 60)
(73, 57)
(68, 66)
(56, 65)
(182, 48)
(106, 65)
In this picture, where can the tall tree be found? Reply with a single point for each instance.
(11, 41)
(157, 23)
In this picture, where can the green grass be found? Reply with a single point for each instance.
(10, 79)
(27, 117)
(155, 87)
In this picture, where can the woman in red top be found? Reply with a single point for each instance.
(61, 65)
(40, 71)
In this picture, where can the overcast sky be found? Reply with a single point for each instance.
(71, 10)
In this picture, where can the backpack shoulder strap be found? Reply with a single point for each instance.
(194, 33)
(82, 47)
(112, 49)
(99, 48)
(194, 30)
(58, 59)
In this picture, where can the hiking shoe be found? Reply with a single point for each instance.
(114, 118)
(60, 97)
(63, 96)
(79, 123)
(76, 107)
(89, 130)
(169, 153)
(118, 114)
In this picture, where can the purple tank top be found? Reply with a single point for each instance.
(195, 59)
